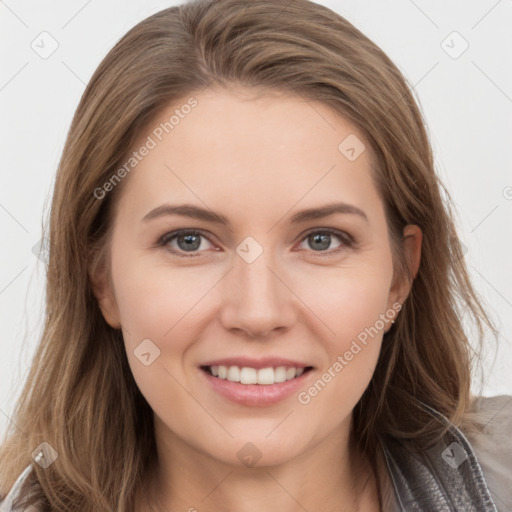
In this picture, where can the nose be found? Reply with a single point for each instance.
(257, 299)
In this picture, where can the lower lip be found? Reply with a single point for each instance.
(255, 395)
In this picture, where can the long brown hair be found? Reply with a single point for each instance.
(80, 395)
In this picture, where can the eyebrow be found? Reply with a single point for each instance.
(196, 212)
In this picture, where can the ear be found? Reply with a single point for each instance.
(104, 292)
(411, 245)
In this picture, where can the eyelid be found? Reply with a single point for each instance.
(347, 240)
(343, 235)
(171, 235)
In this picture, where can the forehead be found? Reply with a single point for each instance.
(250, 148)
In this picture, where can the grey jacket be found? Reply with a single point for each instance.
(457, 474)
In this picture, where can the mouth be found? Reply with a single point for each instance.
(247, 375)
(256, 387)
(256, 382)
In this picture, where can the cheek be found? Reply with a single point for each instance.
(151, 298)
(144, 289)
(361, 301)
(353, 311)
(352, 301)
(155, 306)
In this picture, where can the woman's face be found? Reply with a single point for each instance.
(266, 283)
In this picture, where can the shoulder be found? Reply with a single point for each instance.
(492, 444)
(7, 505)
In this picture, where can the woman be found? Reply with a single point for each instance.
(200, 352)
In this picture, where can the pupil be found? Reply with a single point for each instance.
(189, 242)
(320, 238)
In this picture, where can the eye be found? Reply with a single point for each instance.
(321, 239)
(189, 241)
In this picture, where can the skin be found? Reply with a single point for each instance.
(256, 160)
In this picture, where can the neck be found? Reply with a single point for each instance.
(319, 480)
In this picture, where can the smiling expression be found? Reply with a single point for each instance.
(267, 281)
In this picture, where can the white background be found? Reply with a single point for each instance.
(467, 102)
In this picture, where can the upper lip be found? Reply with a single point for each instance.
(265, 362)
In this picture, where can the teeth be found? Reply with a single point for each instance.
(247, 375)
(280, 374)
(234, 374)
(266, 376)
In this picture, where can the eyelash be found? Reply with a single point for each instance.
(347, 240)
